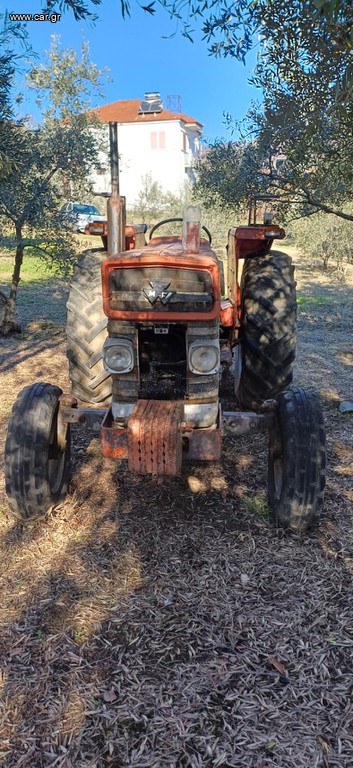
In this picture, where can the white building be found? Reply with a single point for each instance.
(152, 141)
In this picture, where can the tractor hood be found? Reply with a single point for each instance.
(162, 282)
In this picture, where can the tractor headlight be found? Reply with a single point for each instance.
(204, 358)
(118, 356)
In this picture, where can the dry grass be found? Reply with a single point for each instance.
(167, 624)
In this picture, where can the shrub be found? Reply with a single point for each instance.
(325, 237)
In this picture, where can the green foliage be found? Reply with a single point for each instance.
(79, 8)
(306, 40)
(305, 72)
(325, 238)
(13, 43)
(84, 9)
(62, 146)
(64, 85)
(34, 267)
(228, 174)
(29, 196)
(257, 507)
(229, 27)
(54, 252)
(64, 150)
(153, 204)
(218, 220)
(317, 173)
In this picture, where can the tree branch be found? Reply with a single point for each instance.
(326, 208)
(308, 197)
(303, 216)
(37, 248)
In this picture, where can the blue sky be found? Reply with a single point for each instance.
(140, 60)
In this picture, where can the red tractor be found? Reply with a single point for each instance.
(151, 327)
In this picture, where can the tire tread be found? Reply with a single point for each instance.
(269, 328)
(302, 435)
(26, 452)
(86, 331)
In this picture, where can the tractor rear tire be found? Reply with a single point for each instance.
(297, 461)
(36, 468)
(268, 335)
(86, 332)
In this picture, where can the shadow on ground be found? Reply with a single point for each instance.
(153, 622)
(166, 623)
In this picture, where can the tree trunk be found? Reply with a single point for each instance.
(9, 324)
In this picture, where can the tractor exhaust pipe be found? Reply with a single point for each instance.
(115, 204)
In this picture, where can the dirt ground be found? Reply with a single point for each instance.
(168, 624)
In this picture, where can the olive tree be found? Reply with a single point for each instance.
(66, 146)
(13, 44)
(305, 72)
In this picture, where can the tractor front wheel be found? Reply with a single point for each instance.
(36, 465)
(268, 330)
(297, 461)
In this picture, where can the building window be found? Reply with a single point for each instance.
(184, 142)
(158, 140)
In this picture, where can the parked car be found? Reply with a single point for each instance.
(76, 216)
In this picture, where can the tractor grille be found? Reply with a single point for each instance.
(162, 370)
(162, 363)
(160, 289)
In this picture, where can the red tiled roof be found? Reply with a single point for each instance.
(127, 112)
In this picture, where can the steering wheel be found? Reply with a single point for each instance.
(167, 221)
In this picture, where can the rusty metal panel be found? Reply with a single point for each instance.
(243, 423)
(70, 413)
(260, 232)
(232, 276)
(227, 313)
(154, 437)
(156, 440)
(114, 441)
(248, 241)
(162, 260)
(203, 445)
(161, 289)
